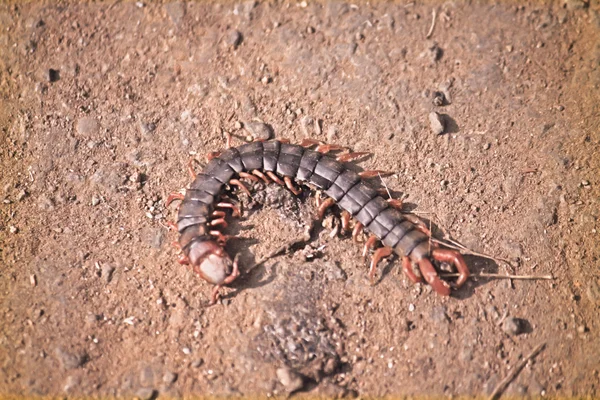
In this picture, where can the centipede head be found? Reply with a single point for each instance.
(210, 261)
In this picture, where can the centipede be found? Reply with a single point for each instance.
(313, 165)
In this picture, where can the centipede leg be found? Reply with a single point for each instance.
(326, 148)
(172, 226)
(275, 178)
(243, 187)
(180, 195)
(218, 221)
(310, 142)
(408, 270)
(227, 139)
(246, 175)
(183, 260)
(432, 277)
(235, 211)
(358, 228)
(380, 253)
(375, 173)
(455, 258)
(369, 244)
(419, 223)
(261, 176)
(218, 213)
(234, 274)
(324, 206)
(396, 203)
(290, 186)
(212, 154)
(222, 239)
(351, 156)
(345, 221)
(190, 167)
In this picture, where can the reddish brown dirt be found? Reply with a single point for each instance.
(92, 300)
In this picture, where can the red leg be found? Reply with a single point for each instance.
(326, 148)
(248, 176)
(172, 226)
(324, 206)
(218, 221)
(310, 143)
(395, 203)
(261, 176)
(377, 256)
(369, 244)
(350, 156)
(183, 260)
(175, 196)
(235, 211)
(275, 178)
(374, 174)
(455, 258)
(432, 277)
(419, 223)
(227, 140)
(243, 187)
(345, 221)
(290, 186)
(358, 228)
(222, 239)
(190, 167)
(212, 154)
(407, 268)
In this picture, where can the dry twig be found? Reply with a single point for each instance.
(433, 16)
(515, 372)
(500, 276)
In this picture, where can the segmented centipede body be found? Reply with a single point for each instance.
(199, 216)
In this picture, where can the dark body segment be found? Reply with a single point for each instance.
(352, 194)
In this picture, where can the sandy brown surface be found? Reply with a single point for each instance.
(92, 299)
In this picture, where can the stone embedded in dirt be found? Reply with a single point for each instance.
(290, 379)
(70, 383)
(437, 123)
(513, 326)
(69, 360)
(176, 11)
(107, 272)
(169, 377)
(575, 4)
(307, 124)
(333, 272)
(147, 128)
(87, 126)
(233, 38)
(146, 393)
(259, 130)
(439, 315)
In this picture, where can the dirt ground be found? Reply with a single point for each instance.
(104, 103)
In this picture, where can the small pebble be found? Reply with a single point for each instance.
(145, 393)
(233, 38)
(411, 307)
(512, 326)
(107, 272)
(436, 122)
(238, 125)
(581, 329)
(13, 229)
(186, 350)
(487, 146)
(169, 377)
(290, 379)
(259, 130)
(438, 99)
(87, 126)
(95, 200)
(585, 183)
(22, 194)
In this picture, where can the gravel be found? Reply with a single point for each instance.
(290, 379)
(512, 326)
(233, 38)
(70, 360)
(437, 123)
(259, 130)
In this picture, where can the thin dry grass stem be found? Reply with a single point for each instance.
(500, 276)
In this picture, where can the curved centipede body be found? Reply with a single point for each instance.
(200, 216)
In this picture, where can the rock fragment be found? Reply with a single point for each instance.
(259, 130)
(290, 379)
(437, 123)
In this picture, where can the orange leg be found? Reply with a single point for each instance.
(432, 277)
(227, 140)
(351, 156)
(369, 244)
(248, 176)
(358, 228)
(222, 239)
(275, 178)
(374, 174)
(235, 211)
(261, 176)
(379, 254)
(175, 196)
(218, 213)
(310, 143)
(183, 260)
(324, 206)
(455, 258)
(326, 148)
(243, 187)
(212, 154)
(190, 167)
(396, 203)
(345, 221)
(290, 186)
(218, 221)
(407, 268)
(419, 223)
(172, 226)
(234, 274)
